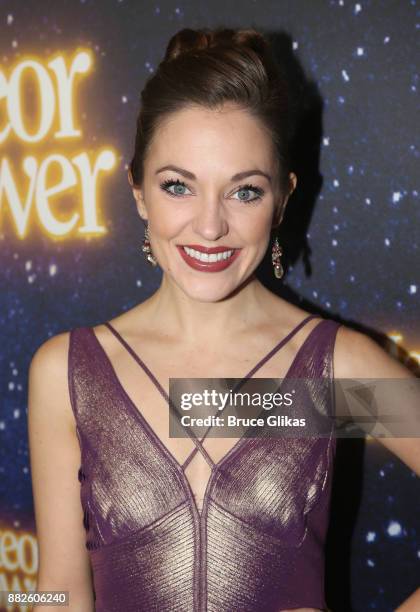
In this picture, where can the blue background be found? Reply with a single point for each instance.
(352, 250)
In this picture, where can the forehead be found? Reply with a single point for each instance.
(228, 137)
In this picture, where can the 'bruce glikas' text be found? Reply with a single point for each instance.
(232, 420)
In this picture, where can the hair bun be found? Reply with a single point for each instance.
(189, 40)
(212, 67)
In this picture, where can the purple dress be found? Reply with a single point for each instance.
(258, 543)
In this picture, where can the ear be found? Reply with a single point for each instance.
(279, 212)
(138, 196)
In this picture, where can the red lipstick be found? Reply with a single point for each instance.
(204, 266)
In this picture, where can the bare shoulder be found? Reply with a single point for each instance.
(53, 352)
(55, 458)
(48, 373)
(356, 355)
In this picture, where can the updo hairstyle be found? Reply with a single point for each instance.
(209, 68)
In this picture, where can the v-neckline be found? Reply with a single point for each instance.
(152, 434)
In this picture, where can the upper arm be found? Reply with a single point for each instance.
(357, 356)
(55, 459)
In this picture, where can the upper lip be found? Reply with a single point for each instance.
(203, 249)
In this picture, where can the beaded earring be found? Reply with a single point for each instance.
(276, 254)
(147, 249)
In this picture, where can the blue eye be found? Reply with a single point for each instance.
(179, 190)
(247, 188)
(178, 185)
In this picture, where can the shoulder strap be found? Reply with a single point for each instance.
(280, 344)
(74, 355)
(260, 363)
(198, 443)
(321, 349)
(85, 371)
(316, 363)
(76, 365)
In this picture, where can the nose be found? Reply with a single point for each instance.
(210, 220)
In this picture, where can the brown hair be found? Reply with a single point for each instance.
(211, 67)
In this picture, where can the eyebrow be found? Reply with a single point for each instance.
(236, 177)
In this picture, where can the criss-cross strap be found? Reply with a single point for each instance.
(198, 443)
(161, 390)
(257, 366)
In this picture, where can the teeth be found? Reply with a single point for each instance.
(206, 257)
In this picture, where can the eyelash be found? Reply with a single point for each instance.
(248, 187)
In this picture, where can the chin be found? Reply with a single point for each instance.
(205, 291)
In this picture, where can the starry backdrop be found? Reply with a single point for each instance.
(362, 234)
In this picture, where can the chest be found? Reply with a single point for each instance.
(148, 390)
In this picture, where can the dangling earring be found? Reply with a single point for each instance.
(276, 253)
(147, 249)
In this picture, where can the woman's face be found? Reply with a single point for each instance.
(210, 180)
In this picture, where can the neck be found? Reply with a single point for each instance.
(197, 321)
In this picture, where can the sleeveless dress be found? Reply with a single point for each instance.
(258, 543)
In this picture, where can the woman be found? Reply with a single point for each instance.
(160, 523)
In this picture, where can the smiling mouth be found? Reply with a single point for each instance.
(209, 255)
(209, 260)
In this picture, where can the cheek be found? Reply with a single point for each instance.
(258, 227)
(166, 223)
